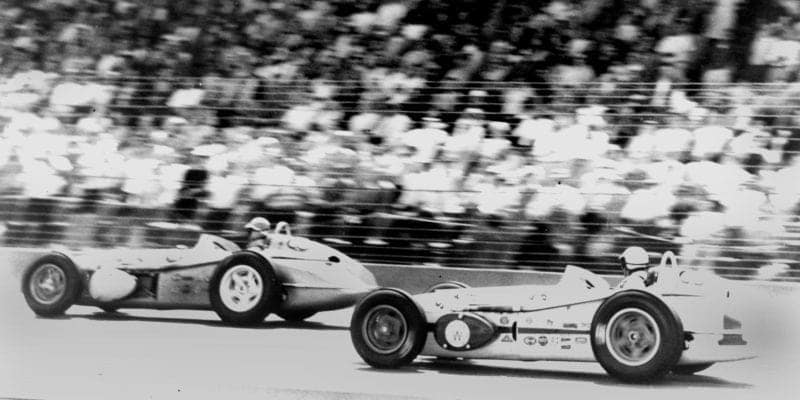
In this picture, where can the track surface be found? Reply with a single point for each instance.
(142, 354)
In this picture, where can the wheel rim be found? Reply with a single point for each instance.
(385, 329)
(633, 337)
(48, 284)
(241, 288)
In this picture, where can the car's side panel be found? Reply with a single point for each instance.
(714, 328)
(186, 286)
(319, 298)
(705, 348)
(559, 333)
(183, 288)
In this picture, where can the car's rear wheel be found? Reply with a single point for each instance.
(296, 316)
(636, 337)
(244, 289)
(447, 285)
(51, 285)
(689, 369)
(388, 329)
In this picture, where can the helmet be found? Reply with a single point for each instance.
(634, 258)
(259, 224)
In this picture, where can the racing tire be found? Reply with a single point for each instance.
(295, 316)
(51, 285)
(447, 285)
(690, 369)
(244, 289)
(388, 329)
(636, 337)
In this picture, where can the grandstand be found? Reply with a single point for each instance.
(494, 134)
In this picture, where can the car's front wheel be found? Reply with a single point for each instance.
(388, 329)
(244, 289)
(51, 285)
(636, 337)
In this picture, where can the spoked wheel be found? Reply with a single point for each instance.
(51, 285)
(388, 329)
(296, 316)
(244, 289)
(690, 369)
(636, 337)
(447, 285)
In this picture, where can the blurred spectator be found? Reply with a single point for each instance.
(569, 114)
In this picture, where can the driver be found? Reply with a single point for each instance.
(635, 268)
(258, 233)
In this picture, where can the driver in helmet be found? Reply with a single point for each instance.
(635, 268)
(258, 233)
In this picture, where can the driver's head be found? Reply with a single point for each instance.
(258, 226)
(634, 259)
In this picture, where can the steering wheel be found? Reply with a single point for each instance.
(282, 228)
(669, 258)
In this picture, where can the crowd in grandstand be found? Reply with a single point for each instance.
(568, 116)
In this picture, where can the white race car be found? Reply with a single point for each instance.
(293, 277)
(672, 320)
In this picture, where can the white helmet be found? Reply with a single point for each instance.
(259, 224)
(633, 259)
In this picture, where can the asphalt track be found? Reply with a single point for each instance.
(143, 354)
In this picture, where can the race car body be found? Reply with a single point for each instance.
(293, 277)
(681, 321)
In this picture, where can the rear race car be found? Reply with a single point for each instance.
(293, 277)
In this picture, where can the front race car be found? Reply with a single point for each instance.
(679, 323)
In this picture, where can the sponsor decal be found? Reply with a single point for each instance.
(566, 347)
(542, 340)
(504, 320)
(581, 340)
(730, 323)
(544, 297)
(507, 338)
(565, 339)
(549, 322)
(529, 340)
(571, 325)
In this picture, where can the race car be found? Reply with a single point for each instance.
(657, 320)
(292, 276)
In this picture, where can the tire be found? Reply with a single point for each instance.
(636, 337)
(51, 285)
(296, 316)
(401, 316)
(244, 289)
(447, 285)
(690, 369)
